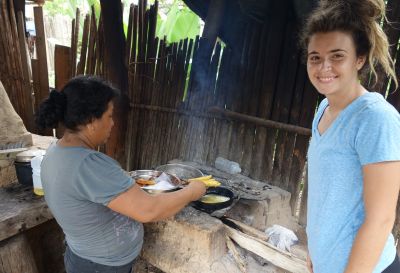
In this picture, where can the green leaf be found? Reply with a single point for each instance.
(187, 25)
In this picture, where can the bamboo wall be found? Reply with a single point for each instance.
(266, 79)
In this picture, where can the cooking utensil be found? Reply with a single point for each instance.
(210, 207)
(180, 170)
(151, 175)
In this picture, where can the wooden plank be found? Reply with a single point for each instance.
(62, 65)
(91, 59)
(73, 45)
(35, 80)
(129, 36)
(20, 210)
(62, 71)
(74, 41)
(26, 72)
(41, 55)
(84, 47)
(22, 46)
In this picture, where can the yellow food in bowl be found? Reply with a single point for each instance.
(213, 198)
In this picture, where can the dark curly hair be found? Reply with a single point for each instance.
(82, 99)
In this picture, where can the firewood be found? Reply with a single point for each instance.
(265, 250)
(236, 255)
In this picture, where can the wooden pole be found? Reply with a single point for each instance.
(114, 45)
(259, 121)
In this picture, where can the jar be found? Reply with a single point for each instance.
(23, 166)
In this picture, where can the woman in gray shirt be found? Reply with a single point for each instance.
(98, 206)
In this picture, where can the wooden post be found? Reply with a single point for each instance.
(62, 71)
(117, 74)
(41, 56)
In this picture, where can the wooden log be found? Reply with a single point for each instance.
(16, 256)
(91, 59)
(265, 250)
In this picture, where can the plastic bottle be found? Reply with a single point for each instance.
(37, 183)
(228, 166)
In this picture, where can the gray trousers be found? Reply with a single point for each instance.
(75, 264)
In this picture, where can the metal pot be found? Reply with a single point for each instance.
(23, 166)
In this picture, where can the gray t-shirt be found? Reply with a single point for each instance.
(78, 184)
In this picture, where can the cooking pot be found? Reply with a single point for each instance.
(23, 166)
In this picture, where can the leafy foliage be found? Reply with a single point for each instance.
(178, 23)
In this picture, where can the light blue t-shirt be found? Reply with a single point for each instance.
(366, 131)
(78, 184)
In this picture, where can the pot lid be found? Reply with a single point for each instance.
(26, 156)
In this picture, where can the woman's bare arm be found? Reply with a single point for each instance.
(144, 207)
(381, 190)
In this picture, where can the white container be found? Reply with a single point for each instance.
(37, 183)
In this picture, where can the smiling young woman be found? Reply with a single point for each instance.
(354, 153)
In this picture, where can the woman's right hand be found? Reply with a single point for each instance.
(197, 188)
(309, 264)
